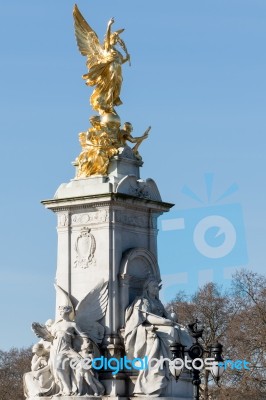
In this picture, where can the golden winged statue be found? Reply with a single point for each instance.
(103, 61)
(104, 139)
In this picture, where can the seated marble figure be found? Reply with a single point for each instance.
(39, 382)
(149, 331)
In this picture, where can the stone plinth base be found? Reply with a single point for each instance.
(86, 397)
(145, 397)
(180, 390)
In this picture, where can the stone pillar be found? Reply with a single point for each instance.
(107, 231)
(100, 235)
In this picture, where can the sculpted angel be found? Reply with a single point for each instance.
(68, 333)
(104, 63)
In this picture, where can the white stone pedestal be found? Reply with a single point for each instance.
(107, 231)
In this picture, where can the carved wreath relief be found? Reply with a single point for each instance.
(91, 217)
(85, 247)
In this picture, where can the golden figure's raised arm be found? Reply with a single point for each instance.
(107, 42)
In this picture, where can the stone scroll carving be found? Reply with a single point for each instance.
(140, 191)
(94, 217)
(144, 189)
(85, 247)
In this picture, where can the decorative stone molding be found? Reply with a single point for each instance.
(140, 191)
(148, 259)
(91, 217)
(143, 189)
(63, 219)
(126, 152)
(131, 219)
(85, 247)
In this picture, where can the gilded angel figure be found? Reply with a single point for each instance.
(104, 63)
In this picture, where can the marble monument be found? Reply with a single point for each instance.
(107, 282)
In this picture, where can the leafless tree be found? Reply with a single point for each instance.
(237, 319)
(246, 335)
(13, 364)
(213, 309)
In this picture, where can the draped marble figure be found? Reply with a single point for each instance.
(149, 331)
(70, 337)
(40, 380)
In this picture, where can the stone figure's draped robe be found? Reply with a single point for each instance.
(43, 386)
(143, 339)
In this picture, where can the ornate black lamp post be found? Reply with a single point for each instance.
(217, 368)
(196, 352)
(177, 350)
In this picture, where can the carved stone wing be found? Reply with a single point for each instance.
(87, 40)
(92, 309)
(64, 300)
(42, 332)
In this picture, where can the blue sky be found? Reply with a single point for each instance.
(197, 77)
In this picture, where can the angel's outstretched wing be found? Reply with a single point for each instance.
(64, 300)
(92, 309)
(87, 40)
(42, 332)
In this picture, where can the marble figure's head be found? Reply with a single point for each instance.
(38, 349)
(63, 310)
(151, 286)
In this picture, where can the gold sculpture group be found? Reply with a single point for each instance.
(104, 62)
